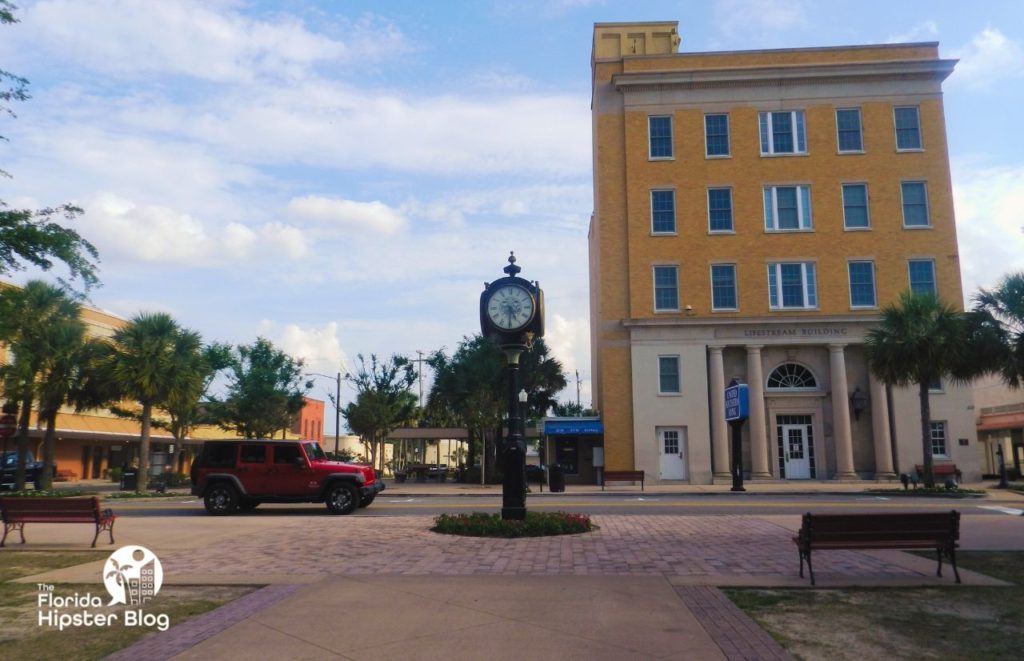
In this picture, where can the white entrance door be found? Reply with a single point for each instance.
(794, 443)
(673, 453)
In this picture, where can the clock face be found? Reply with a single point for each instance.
(510, 307)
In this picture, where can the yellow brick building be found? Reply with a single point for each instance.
(753, 211)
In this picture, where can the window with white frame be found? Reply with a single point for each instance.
(792, 286)
(716, 135)
(922, 276)
(666, 289)
(659, 131)
(787, 208)
(938, 435)
(908, 128)
(848, 130)
(720, 210)
(668, 375)
(783, 132)
(915, 204)
(723, 287)
(855, 206)
(862, 284)
(663, 211)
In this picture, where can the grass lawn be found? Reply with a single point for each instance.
(21, 637)
(955, 622)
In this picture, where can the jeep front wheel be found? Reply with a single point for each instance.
(221, 499)
(342, 499)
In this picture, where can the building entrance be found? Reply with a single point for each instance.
(796, 446)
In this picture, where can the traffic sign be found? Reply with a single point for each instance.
(737, 403)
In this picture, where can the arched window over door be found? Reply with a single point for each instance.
(792, 376)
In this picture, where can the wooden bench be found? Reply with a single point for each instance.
(939, 470)
(887, 530)
(65, 475)
(623, 476)
(17, 512)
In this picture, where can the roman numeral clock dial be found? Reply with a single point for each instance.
(510, 307)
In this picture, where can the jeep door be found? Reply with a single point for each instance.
(252, 467)
(291, 474)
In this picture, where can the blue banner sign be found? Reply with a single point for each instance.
(737, 403)
(572, 427)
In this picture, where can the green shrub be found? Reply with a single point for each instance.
(536, 524)
(114, 474)
(42, 493)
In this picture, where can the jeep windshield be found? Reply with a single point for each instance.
(314, 452)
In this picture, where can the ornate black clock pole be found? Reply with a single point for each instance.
(512, 315)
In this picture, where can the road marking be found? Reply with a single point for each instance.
(407, 500)
(653, 500)
(874, 498)
(1005, 510)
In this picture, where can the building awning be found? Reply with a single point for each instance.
(573, 427)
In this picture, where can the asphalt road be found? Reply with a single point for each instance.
(638, 504)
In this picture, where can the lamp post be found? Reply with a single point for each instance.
(337, 408)
(858, 402)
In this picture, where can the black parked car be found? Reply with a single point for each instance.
(9, 468)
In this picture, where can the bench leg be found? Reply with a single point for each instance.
(952, 561)
(810, 568)
(100, 527)
(8, 527)
(801, 554)
(938, 552)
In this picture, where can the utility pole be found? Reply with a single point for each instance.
(579, 409)
(419, 369)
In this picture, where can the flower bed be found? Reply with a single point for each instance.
(536, 524)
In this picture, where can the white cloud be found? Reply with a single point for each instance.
(317, 346)
(990, 227)
(764, 18)
(990, 57)
(278, 239)
(149, 233)
(373, 216)
(201, 39)
(926, 31)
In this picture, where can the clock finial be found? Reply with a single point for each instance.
(512, 269)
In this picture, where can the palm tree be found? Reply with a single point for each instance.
(64, 363)
(1003, 308)
(28, 319)
(919, 340)
(142, 366)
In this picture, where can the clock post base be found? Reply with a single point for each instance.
(513, 513)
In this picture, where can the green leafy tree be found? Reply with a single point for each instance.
(35, 321)
(34, 236)
(265, 391)
(142, 365)
(919, 340)
(573, 410)
(1001, 311)
(471, 386)
(384, 400)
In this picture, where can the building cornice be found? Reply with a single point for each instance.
(752, 321)
(780, 76)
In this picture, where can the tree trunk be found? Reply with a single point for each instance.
(46, 476)
(926, 434)
(22, 443)
(147, 414)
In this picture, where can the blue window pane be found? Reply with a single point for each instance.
(716, 133)
(782, 133)
(805, 206)
(855, 205)
(720, 209)
(811, 285)
(848, 124)
(792, 285)
(786, 206)
(915, 204)
(666, 294)
(660, 129)
(663, 211)
(769, 214)
(723, 287)
(763, 123)
(801, 139)
(922, 276)
(908, 128)
(862, 284)
(668, 373)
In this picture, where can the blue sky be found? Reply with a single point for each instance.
(342, 177)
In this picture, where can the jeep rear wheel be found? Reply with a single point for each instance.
(342, 499)
(221, 499)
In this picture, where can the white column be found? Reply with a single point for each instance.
(841, 413)
(758, 439)
(880, 429)
(719, 428)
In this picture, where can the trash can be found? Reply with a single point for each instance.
(556, 478)
(130, 480)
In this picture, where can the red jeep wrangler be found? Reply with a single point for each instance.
(232, 475)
